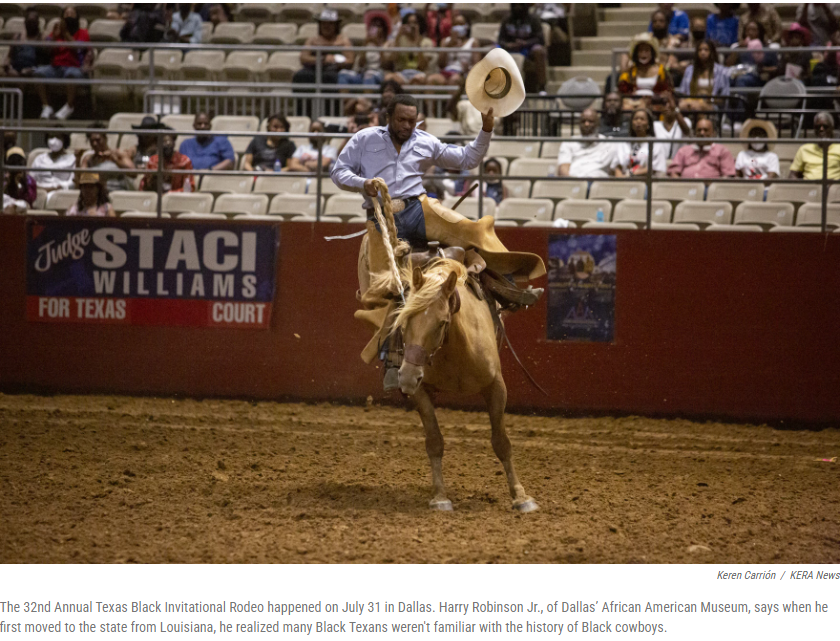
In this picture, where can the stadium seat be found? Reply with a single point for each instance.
(797, 194)
(582, 210)
(559, 189)
(258, 13)
(144, 214)
(834, 193)
(550, 149)
(518, 188)
(524, 209)
(764, 214)
(677, 191)
(305, 32)
(736, 192)
(202, 65)
(248, 217)
(593, 224)
(233, 33)
(635, 211)
(532, 167)
(298, 12)
(222, 184)
(244, 66)
(236, 123)
(255, 204)
(469, 206)
(506, 223)
(50, 11)
(191, 216)
(275, 34)
(328, 187)
(180, 202)
(166, 63)
(747, 228)
(41, 212)
(615, 190)
(487, 33)
(811, 230)
(282, 65)
(116, 65)
(134, 201)
(91, 12)
(40, 201)
(179, 122)
(62, 199)
(705, 213)
(290, 206)
(105, 30)
(440, 126)
(286, 184)
(79, 142)
(345, 205)
(355, 32)
(675, 227)
(125, 120)
(810, 214)
(510, 149)
(296, 124)
(35, 153)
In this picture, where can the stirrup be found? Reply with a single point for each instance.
(391, 381)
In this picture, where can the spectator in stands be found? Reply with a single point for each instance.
(270, 153)
(671, 124)
(667, 40)
(9, 140)
(146, 143)
(216, 13)
(101, 158)
(632, 158)
(23, 58)
(186, 25)
(757, 161)
(387, 92)
(439, 22)
(596, 159)
(65, 62)
(765, 15)
(703, 160)
(645, 77)
(56, 162)
(808, 162)
(796, 64)
(454, 67)
(18, 184)
(698, 31)
(758, 66)
(409, 67)
(613, 124)
(172, 160)
(722, 25)
(368, 70)
(305, 157)
(819, 19)
(704, 79)
(207, 151)
(676, 21)
(493, 185)
(145, 23)
(522, 33)
(329, 35)
(559, 47)
(93, 198)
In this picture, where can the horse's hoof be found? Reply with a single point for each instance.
(525, 506)
(444, 505)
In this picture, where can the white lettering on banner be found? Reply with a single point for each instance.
(197, 288)
(147, 246)
(211, 251)
(112, 255)
(100, 308)
(126, 283)
(141, 285)
(53, 307)
(249, 251)
(73, 246)
(183, 248)
(222, 285)
(103, 282)
(161, 290)
(241, 313)
(179, 284)
(248, 286)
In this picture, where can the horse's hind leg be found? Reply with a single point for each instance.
(496, 397)
(434, 447)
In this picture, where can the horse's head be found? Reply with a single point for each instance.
(425, 322)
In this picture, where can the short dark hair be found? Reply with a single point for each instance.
(402, 99)
(96, 125)
(281, 119)
(63, 135)
(493, 160)
(391, 84)
(649, 117)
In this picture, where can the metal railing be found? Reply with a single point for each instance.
(11, 107)
(649, 178)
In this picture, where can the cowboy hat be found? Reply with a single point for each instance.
(645, 39)
(328, 15)
(496, 83)
(383, 15)
(765, 125)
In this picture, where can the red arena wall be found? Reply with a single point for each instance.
(743, 325)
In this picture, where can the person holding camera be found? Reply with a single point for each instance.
(305, 157)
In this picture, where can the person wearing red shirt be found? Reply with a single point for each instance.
(171, 160)
(65, 62)
(439, 22)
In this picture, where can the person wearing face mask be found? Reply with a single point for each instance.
(73, 64)
(409, 66)
(808, 162)
(305, 157)
(23, 58)
(757, 161)
(206, 151)
(102, 158)
(522, 33)
(595, 159)
(269, 153)
(171, 160)
(676, 21)
(645, 77)
(439, 21)
(703, 160)
(368, 69)
(455, 66)
(613, 123)
(55, 162)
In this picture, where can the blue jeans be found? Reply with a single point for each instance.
(48, 71)
(411, 225)
(346, 77)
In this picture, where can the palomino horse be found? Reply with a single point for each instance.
(450, 346)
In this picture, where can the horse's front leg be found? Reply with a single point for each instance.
(434, 447)
(496, 397)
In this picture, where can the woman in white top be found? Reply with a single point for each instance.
(632, 158)
(57, 160)
(757, 161)
(455, 66)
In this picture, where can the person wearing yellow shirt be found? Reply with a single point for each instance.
(808, 162)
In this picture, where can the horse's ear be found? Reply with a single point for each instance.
(450, 284)
(417, 278)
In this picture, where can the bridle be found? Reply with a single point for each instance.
(416, 354)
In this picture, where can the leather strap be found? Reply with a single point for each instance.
(415, 355)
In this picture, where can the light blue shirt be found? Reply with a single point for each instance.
(190, 27)
(371, 154)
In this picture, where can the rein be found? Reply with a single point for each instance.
(416, 354)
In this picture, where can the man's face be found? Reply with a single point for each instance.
(659, 24)
(823, 127)
(98, 142)
(612, 103)
(328, 30)
(588, 123)
(168, 146)
(704, 129)
(201, 124)
(401, 124)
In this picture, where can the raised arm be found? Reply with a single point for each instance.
(454, 158)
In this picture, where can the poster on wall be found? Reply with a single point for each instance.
(581, 288)
(86, 270)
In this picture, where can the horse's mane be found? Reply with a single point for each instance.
(434, 276)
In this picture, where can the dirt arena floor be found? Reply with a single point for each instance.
(144, 480)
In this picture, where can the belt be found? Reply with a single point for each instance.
(397, 205)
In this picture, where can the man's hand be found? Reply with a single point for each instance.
(370, 190)
(487, 121)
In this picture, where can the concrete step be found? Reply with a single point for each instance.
(591, 58)
(561, 74)
(636, 14)
(625, 29)
(601, 44)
